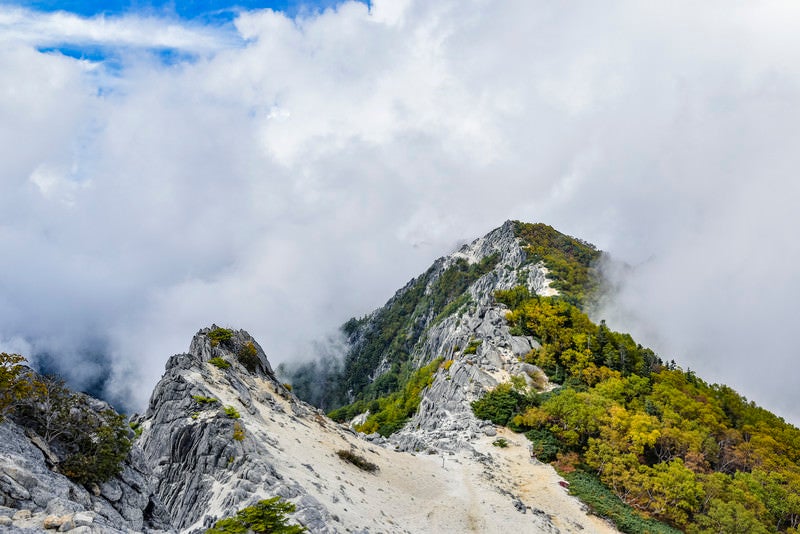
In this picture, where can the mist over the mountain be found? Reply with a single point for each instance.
(289, 174)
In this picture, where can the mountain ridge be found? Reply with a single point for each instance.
(489, 339)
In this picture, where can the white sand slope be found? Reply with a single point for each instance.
(443, 493)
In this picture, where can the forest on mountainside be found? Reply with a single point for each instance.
(571, 262)
(695, 455)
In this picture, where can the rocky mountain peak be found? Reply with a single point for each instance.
(237, 347)
(502, 240)
(198, 428)
(475, 340)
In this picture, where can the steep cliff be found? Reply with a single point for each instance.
(208, 436)
(478, 343)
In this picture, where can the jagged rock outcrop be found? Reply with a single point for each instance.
(445, 419)
(35, 498)
(201, 469)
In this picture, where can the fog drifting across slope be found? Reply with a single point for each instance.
(295, 172)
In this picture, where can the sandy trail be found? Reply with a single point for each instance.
(417, 493)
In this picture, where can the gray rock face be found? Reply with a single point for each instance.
(201, 471)
(445, 420)
(203, 348)
(34, 494)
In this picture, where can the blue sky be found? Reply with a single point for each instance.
(201, 9)
(200, 18)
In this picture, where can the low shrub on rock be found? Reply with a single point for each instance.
(248, 356)
(220, 335)
(358, 461)
(220, 363)
(267, 516)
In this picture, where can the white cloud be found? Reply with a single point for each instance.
(300, 171)
(59, 28)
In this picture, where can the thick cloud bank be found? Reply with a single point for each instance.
(290, 173)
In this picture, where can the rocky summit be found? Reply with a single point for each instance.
(222, 432)
(476, 342)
